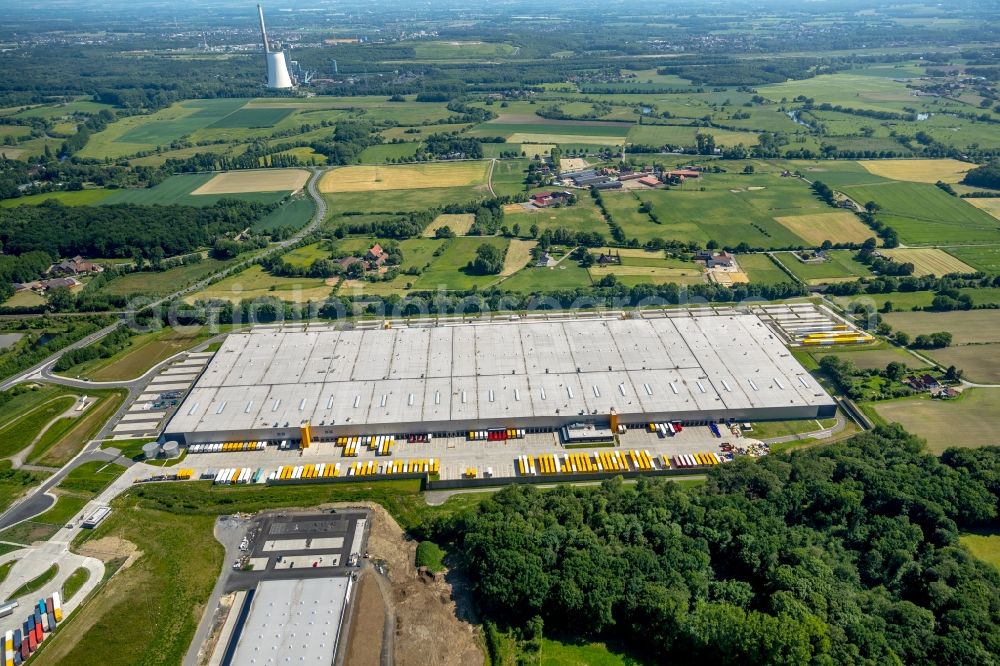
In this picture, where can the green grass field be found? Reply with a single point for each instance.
(252, 118)
(554, 653)
(77, 198)
(869, 359)
(499, 128)
(565, 276)
(293, 214)
(303, 257)
(18, 433)
(145, 351)
(178, 189)
(392, 201)
(973, 327)
(65, 437)
(255, 282)
(972, 420)
(448, 271)
(761, 270)
(145, 132)
(380, 154)
(840, 266)
(986, 259)
(74, 582)
(508, 176)
(161, 283)
(923, 214)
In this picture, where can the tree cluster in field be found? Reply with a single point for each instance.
(123, 230)
(881, 265)
(488, 217)
(856, 384)
(349, 139)
(404, 225)
(937, 340)
(845, 554)
(451, 144)
(885, 284)
(488, 260)
(727, 71)
(106, 347)
(987, 175)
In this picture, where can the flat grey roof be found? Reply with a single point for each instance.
(282, 377)
(293, 620)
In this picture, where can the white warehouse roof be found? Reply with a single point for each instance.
(279, 377)
(293, 620)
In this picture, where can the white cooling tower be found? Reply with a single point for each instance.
(277, 68)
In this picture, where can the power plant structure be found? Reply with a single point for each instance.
(278, 77)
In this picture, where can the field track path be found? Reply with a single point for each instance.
(489, 177)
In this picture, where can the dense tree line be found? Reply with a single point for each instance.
(55, 334)
(349, 139)
(123, 230)
(21, 268)
(406, 225)
(106, 347)
(846, 554)
(987, 175)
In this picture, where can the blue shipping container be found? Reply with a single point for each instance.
(17, 639)
(52, 620)
(41, 605)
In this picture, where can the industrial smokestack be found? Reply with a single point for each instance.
(277, 69)
(263, 31)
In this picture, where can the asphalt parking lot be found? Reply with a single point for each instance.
(300, 545)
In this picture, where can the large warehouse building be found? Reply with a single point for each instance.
(319, 383)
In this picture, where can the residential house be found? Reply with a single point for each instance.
(716, 259)
(376, 256)
(76, 266)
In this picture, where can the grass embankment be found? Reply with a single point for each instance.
(18, 433)
(143, 352)
(68, 435)
(430, 555)
(5, 569)
(37, 583)
(74, 582)
(149, 611)
(15, 482)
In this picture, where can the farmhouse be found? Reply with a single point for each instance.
(75, 266)
(546, 199)
(321, 383)
(45, 285)
(716, 259)
(376, 256)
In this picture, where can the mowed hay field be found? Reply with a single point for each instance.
(980, 362)
(409, 177)
(838, 227)
(518, 256)
(966, 327)
(919, 171)
(531, 137)
(265, 180)
(929, 261)
(460, 223)
(254, 282)
(632, 275)
(989, 204)
(973, 420)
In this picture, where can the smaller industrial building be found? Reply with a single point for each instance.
(294, 620)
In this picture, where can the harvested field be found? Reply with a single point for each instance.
(980, 362)
(929, 261)
(528, 137)
(990, 204)
(838, 227)
(973, 420)
(517, 257)
(364, 647)
(970, 327)
(653, 274)
(460, 223)
(919, 171)
(410, 177)
(572, 164)
(265, 180)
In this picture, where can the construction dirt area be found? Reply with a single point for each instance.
(421, 607)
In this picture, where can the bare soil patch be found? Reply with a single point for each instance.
(367, 623)
(110, 548)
